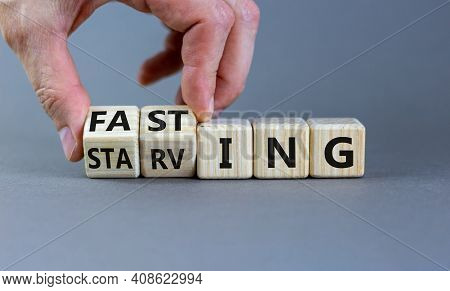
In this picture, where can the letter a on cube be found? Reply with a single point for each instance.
(111, 142)
(337, 147)
(168, 141)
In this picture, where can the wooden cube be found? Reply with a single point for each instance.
(281, 148)
(337, 147)
(110, 141)
(225, 149)
(168, 142)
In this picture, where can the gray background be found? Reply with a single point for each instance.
(396, 218)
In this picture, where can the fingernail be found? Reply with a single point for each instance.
(68, 142)
(206, 115)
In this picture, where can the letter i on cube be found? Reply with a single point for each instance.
(225, 149)
(111, 142)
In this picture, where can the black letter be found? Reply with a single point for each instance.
(108, 156)
(95, 121)
(178, 114)
(347, 154)
(152, 117)
(94, 158)
(274, 144)
(225, 164)
(114, 122)
(123, 159)
(159, 159)
(176, 163)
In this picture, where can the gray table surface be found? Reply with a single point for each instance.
(366, 59)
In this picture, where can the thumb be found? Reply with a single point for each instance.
(53, 74)
(37, 32)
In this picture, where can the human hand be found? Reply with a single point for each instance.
(212, 41)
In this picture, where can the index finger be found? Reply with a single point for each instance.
(206, 25)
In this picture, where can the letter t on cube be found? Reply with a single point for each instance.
(337, 147)
(111, 142)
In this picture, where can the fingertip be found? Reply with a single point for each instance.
(71, 124)
(206, 114)
(198, 88)
(77, 154)
(69, 144)
(143, 78)
(159, 66)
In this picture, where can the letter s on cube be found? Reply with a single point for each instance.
(167, 141)
(111, 142)
(337, 147)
